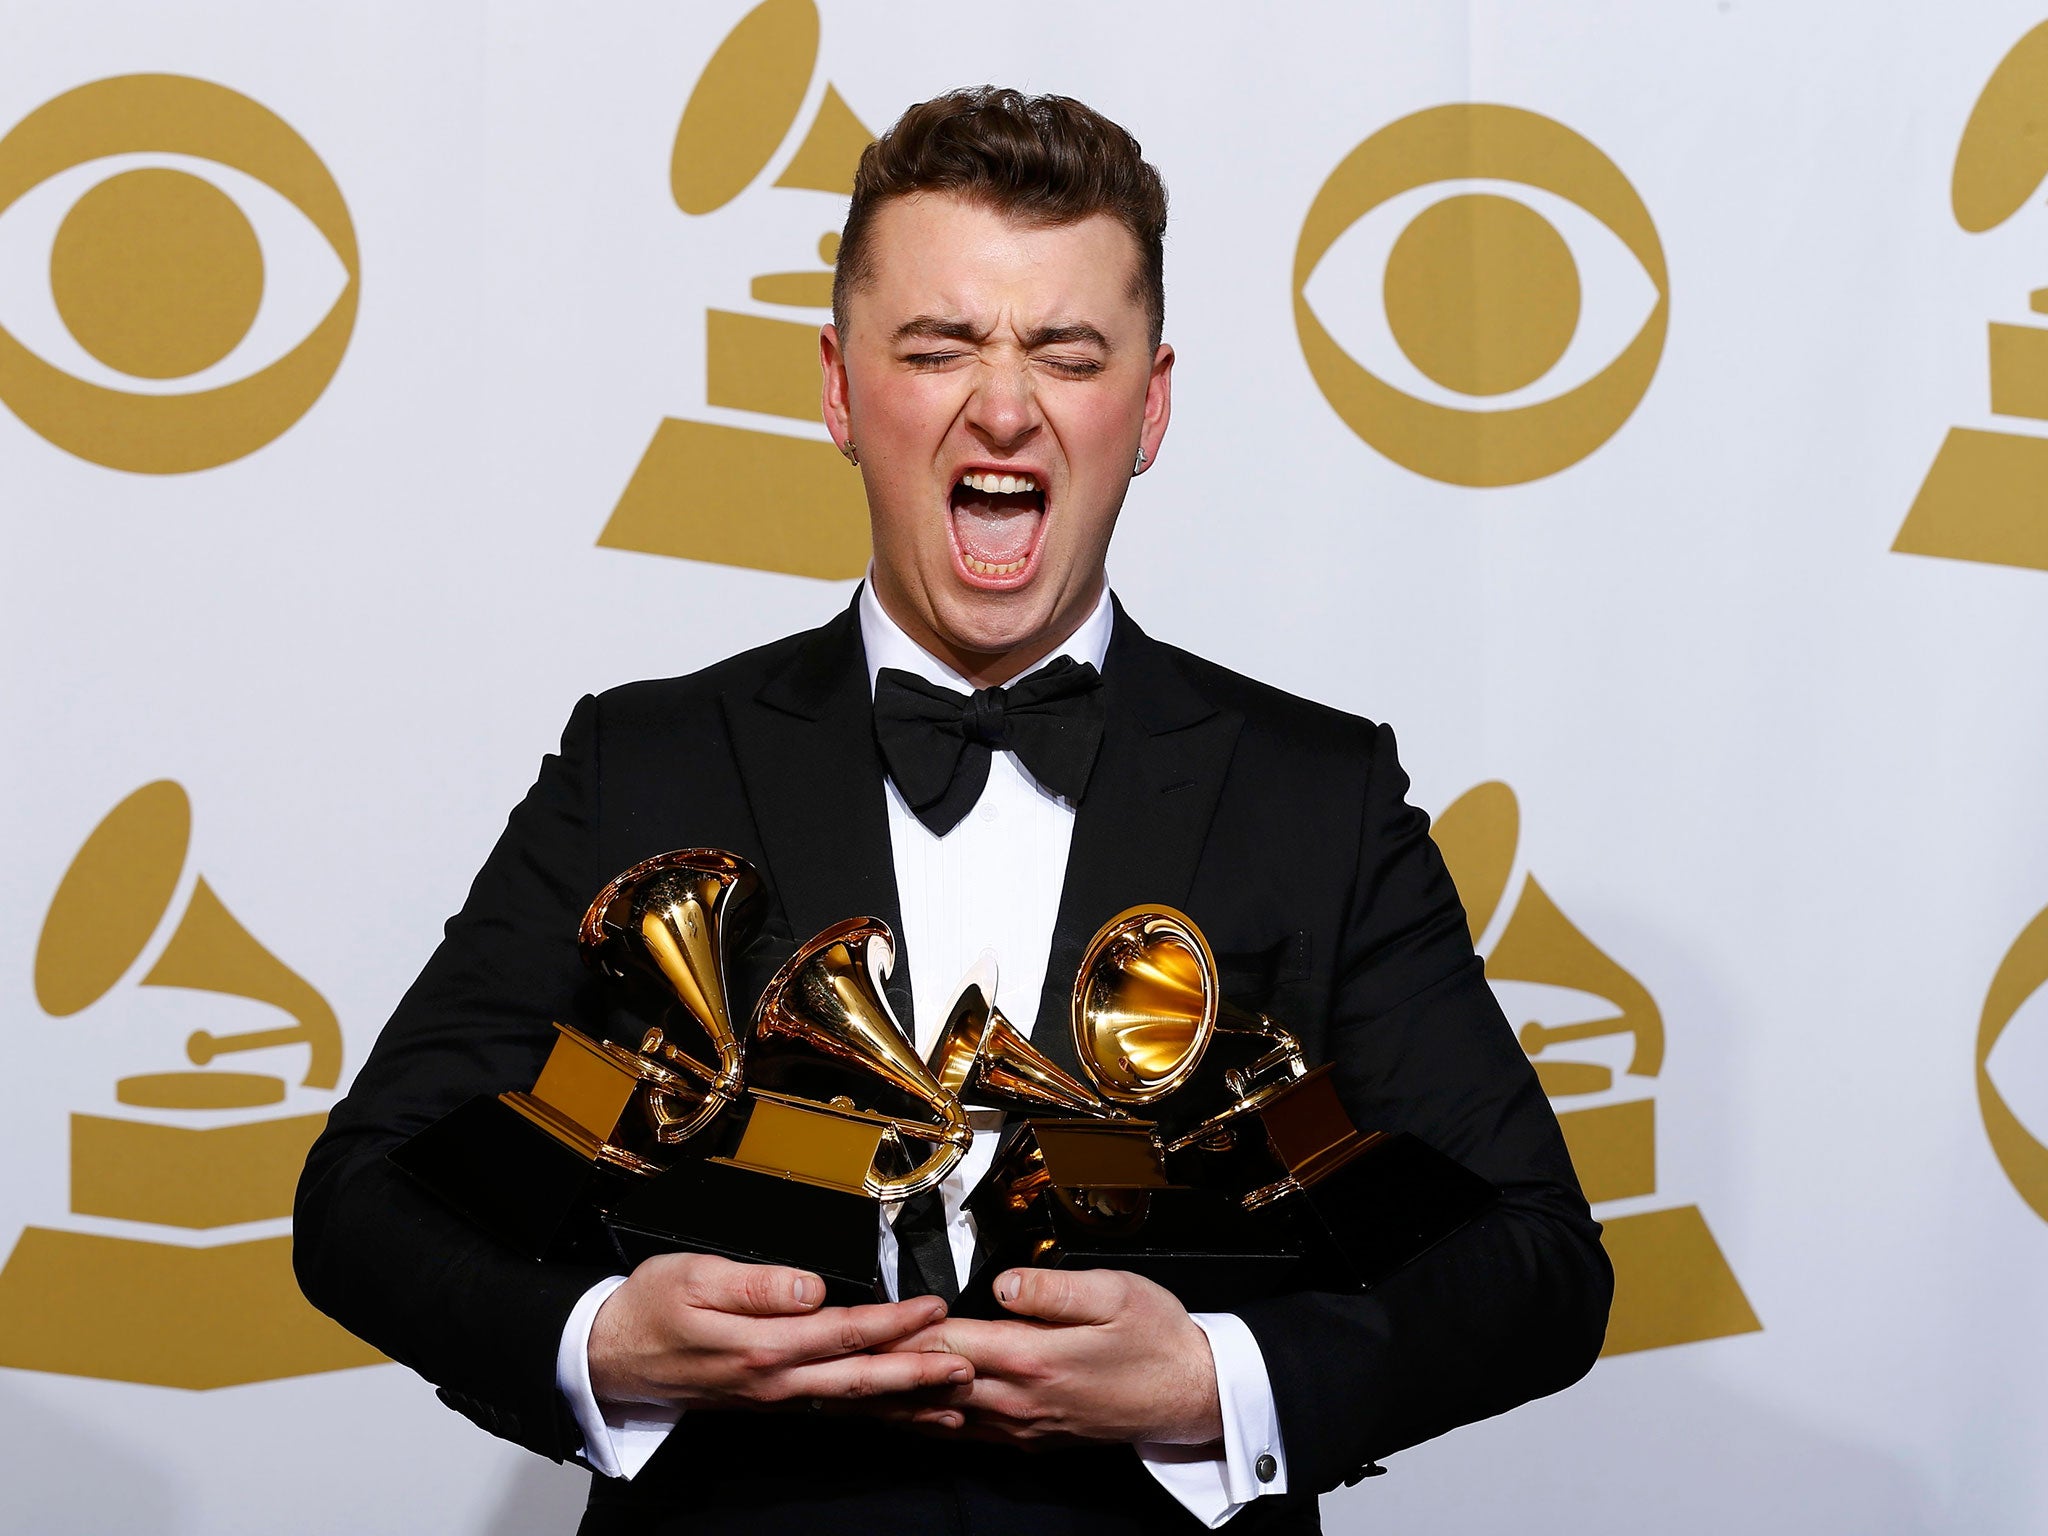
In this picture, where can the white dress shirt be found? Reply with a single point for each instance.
(992, 883)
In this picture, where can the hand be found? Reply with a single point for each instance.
(1105, 1355)
(695, 1329)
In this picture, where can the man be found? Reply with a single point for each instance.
(995, 371)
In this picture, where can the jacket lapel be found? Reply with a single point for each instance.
(1139, 832)
(805, 744)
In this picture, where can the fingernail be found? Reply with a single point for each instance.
(803, 1290)
(950, 1420)
(1006, 1288)
(961, 1374)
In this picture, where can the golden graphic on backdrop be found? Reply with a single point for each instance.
(1481, 294)
(2022, 973)
(157, 273)
(768, 500)
(1672, 1284)
(1986, 498)
(141, 1308)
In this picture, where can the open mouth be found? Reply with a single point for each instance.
(997, 520)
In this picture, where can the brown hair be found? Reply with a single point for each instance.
(1038, 159)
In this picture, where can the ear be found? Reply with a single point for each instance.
(1158, 404)
(836, 402)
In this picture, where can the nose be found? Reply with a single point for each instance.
(1004, 411)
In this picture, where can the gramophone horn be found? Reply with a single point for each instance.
(745, 105)
(677, 918)
(1146, 1011)
(829, 998)
(982, 1058)
(1144, 1004)
(114, 899)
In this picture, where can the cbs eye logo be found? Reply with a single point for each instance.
(178, 274)
(1521, 298)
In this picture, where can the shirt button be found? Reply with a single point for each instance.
(1266, 1467)
(989, 811)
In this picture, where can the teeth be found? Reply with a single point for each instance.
(983, 568)
(998, 485)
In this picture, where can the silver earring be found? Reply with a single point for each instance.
(1142, 456)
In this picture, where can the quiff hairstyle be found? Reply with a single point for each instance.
(1044, 160)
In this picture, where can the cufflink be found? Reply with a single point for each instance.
(1266, 1467)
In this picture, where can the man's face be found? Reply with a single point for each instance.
(985, 353)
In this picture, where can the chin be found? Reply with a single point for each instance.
(990, 623)
(970, 632)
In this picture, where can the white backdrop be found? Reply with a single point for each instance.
(1784, 777)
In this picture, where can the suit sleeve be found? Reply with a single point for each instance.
(375, 1251)
(1513, 1306)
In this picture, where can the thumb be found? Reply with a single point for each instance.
(762, 1290)
(1062, 1295)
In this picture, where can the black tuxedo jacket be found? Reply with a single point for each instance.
(1279, 825)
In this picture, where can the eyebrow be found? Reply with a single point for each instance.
(942, 328)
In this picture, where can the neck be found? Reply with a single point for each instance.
(989, 669)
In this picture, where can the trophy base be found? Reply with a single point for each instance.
(1388, 1202)
(164, 1314)
(713, 1206)
(1197, 1243)
(531, 1191)
(700, 487)
(1362, 1204)
(1982, 500)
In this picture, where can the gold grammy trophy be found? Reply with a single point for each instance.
(1246, 1115)
(1986, 496)
(1672, 1283)
(814, 1158)
(1080, 1184)
(1075, 1151)
(537, 1168)
(984, 1060)
(673, 921)
(139, 1303)
(759, 496)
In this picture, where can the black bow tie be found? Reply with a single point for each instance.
(937, 743)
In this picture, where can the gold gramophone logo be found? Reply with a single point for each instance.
(1986, 498)
(768, 494)
(154, 1300)
(2021, 975)
(1672, 1284)
(178, 274)
(1494, 347)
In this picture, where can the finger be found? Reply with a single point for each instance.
(889, 1410)
(756, 1290)
(947, 1334)
(1064, 1295)
(864, 1377)
(990, 1431)
(837, 1331)
(1001, 1348)
(1007, 1405)
(901, 1405)
(912, 1410)
(1004, 1404)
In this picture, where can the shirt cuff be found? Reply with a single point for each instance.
(618, 1438)
(1254, 1462)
